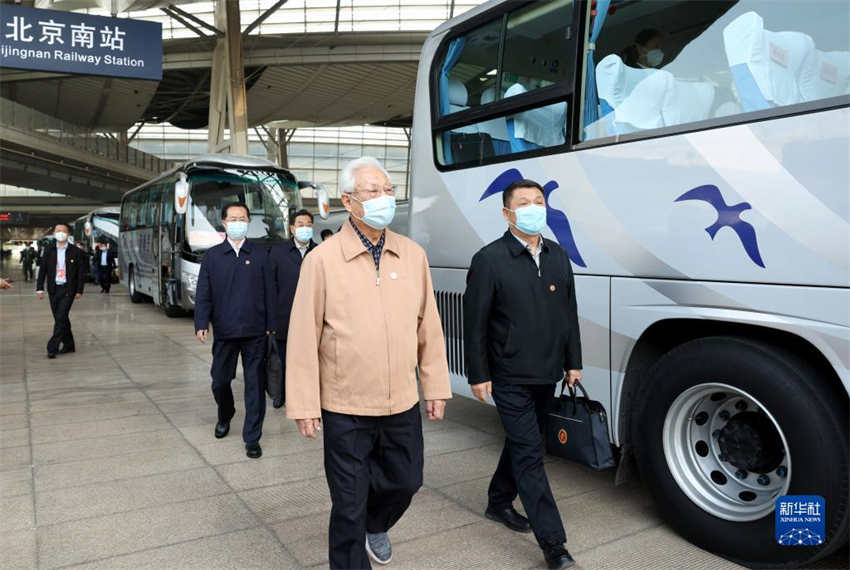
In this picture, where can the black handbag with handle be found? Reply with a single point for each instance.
(577, 429)
(274, 377)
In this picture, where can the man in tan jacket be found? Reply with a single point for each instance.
(364, 328)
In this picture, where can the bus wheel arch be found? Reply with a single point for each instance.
(790, 386)
(135, 296)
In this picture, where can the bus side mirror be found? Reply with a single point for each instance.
(323, 202)
(181, 194)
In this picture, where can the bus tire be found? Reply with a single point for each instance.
(135, 296)
(174, 311)
(725, 425)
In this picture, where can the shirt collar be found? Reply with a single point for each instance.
(352, 246)
(516, 245)
(244, 247)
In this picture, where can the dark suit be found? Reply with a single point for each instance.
(62, 296)
(28, 256)
(105, 270)
(521, 333)
(286, 266)
(235, 294)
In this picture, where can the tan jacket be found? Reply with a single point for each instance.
(356, 337)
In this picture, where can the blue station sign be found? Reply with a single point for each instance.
(77, 43)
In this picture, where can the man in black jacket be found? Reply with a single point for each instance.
(105, 261)
(235, 294)
(63, 269)
(286, 266)
(521, 337)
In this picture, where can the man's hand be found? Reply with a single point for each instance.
(573, 376)
(309, 428)
(40, 294)
(482, 390)
(436, 409)
(202, 335)
(5, 284)
(77, 296)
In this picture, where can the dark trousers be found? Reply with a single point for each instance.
(522, 409)
(225, 353)
(105, 276)
(60, 303)
(374, 468)
(28, 272)
(281, 350)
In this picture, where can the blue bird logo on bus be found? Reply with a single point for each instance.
(727, 216)
(555, 219)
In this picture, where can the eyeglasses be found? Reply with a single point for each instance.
(373, 192)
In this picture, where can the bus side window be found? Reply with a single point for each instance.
(534, 42)
(711, 60)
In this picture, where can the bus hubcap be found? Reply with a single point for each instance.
(726, 451)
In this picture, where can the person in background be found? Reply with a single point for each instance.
(63, 270)
(646, 51)
(326, 233)
(105, 267)
(364, 329)
(521, 337)
(28, 256)
(235, 294)
(285, 261)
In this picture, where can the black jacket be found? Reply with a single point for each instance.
(76, 266)
(235, 293)
(286, 266)
(110, 258)
(520, 325)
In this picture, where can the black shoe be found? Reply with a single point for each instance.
(557, 557)
(67, 350)
(253, 449)
(221, 429)
(509, 517)
(51, 355)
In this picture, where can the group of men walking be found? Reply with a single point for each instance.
(357, 321)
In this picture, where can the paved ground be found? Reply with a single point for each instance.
(107, 460)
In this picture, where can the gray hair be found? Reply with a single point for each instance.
(346, 177)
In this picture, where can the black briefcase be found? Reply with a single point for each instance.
(274, 377)
(577, 430)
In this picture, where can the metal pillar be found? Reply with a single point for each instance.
(228, 101)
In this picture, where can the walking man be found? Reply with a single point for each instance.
(106, 265)
(521, 337)
(286, 265)
(364, 328)
(63, 270)
(235, 294)
(28, 256)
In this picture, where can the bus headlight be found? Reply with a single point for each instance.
(190, 281)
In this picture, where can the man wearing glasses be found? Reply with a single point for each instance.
(364, 329)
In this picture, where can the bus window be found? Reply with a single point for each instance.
(167, 210)
(667, 63)
(534, 43)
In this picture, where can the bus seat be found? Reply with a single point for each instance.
(765, 65)
(615, 81)
(458, 96)
(826, 75)
(535, 128)
(661, 100)
(496, 128)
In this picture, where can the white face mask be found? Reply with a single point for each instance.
(654, 57)
(61, 236)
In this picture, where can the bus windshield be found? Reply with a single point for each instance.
(268, 195)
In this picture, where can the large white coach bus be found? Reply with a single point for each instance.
(694, 156)
(168, 223)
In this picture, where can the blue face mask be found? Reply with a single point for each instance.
(378, 212)
(237, 230)
(304, 234)
(530, 219)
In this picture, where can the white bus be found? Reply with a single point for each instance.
(94, 229)
(694, 156)
(168, 223)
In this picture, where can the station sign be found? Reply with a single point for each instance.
(77, 43)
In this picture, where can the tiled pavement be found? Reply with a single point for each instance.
(107, 460)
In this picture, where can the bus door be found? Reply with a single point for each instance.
(165, 239)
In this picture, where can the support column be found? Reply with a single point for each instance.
(227, 84)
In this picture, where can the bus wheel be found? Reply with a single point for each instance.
(135, 296)
(727, 425)
(174, 311)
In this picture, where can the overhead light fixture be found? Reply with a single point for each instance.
(491, 72)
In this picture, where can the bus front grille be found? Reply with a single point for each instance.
(450, 306)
